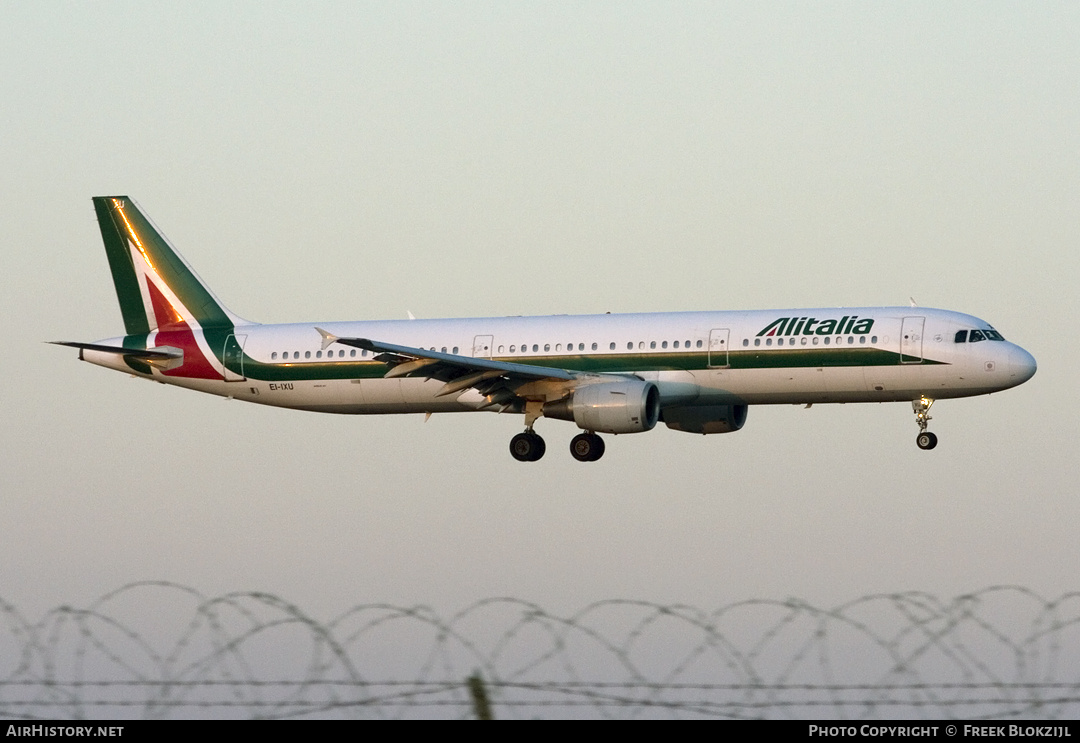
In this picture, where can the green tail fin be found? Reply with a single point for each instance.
(156, 287)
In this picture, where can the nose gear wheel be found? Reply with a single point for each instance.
(921, 407)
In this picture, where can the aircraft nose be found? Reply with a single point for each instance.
(1021, 364)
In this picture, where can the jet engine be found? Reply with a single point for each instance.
(625, 406)
(706, 419)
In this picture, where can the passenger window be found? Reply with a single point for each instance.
(873, 339)
(757, 341)
(307, 354)
(768, 341)
(318, 354)
(850, 340)
(612, 346)
(630, 346)
(296, 354)
(862, 339)
(779, 341)
(803, 340)
(513, 349)
(547, 346)
(273, 355)
(594, 346)
(745, 342)
(663, 345)
(827, 339)
(535, 348)
(652, 345)
(352, 353)
(699, 344)
(975, 336)
(455, 350)
(558, 347)
(814, 340)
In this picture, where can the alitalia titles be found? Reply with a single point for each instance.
(812, 326)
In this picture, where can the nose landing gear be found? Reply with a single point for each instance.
(925, 440)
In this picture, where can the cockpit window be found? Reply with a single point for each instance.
(974, 336)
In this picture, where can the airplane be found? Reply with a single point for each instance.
(697, 372)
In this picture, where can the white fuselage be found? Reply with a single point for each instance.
(870, 354)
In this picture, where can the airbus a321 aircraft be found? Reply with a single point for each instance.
(696, 371)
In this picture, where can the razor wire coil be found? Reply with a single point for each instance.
(157, 650)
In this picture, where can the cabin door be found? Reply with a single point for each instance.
(718, 347)
(233, 358)
(481, 347)
(911, 340)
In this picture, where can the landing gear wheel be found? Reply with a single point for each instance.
(921, 407)
(527, 447)
(587, 447)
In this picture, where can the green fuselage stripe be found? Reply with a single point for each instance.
(300, 370)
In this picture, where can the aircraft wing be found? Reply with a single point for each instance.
(458, 372)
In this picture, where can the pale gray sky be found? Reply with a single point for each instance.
(336, 161)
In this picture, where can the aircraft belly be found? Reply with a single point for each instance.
(676, 386)
(762, 386)
(908, 381)
(845, 382)
(382, 391)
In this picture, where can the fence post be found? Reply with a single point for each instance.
(481, 705)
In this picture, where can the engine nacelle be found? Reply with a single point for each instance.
(629, 406)
(706, 418)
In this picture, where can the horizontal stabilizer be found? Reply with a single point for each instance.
(158, 354)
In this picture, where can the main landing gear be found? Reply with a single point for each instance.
(587, 447)
(529, 447)
(921, 407)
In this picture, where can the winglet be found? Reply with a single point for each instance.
(327, 338)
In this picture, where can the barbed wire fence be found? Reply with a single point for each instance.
(160, 650)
